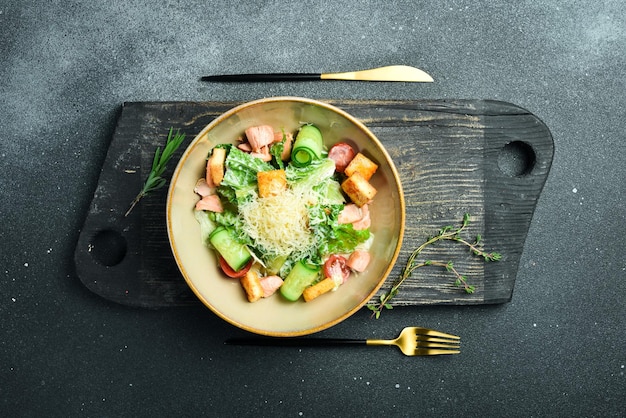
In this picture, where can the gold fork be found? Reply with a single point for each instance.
(413, 341)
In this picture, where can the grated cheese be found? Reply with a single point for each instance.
(280, 223)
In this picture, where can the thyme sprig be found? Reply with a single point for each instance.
(159, 162)
(447, 233)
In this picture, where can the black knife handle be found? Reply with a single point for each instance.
(230, 78)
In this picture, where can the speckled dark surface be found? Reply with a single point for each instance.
(65, 68)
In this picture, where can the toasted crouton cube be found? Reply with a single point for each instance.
(318, 289)
(216, 165)
(271, 183)
(363, 165)
(252, 285)
(359, 190)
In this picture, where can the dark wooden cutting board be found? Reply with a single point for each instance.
(487, 158)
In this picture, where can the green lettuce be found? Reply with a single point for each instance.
(241, 168)
(331, 236)
(276, 150)
(206, 226)
(319, 177)
(315, 173)
(345, 239)
(240, 179)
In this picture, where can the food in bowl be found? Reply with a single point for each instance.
(200, 267)
(285, 213)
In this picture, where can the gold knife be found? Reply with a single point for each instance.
(390, 73)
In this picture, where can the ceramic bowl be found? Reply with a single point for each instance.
(275, 316)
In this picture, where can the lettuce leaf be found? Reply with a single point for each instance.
(241, 168)
(330, 236)
(240, 178)
(206, 226)
(330, 192)
(276, 150)
(319, 177)
(313, 174)
(345, 239)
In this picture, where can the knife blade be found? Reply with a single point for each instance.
(403, 73)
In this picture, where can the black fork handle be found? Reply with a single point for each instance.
(294, 342)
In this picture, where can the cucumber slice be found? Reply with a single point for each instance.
(300, 277)
(232, 251)
(307, 146)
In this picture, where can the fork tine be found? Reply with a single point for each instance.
(433, 352)
(434, 333)
(430, 342)
(426, 344)
(419, 338)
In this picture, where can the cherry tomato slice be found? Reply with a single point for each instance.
(232, 273)
(337, 266)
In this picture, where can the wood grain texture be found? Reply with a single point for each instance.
(487, 158)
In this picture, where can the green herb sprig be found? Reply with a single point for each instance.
(154, 180)
(447, 233)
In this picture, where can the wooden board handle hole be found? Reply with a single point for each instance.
(516, 159)
(108, 247)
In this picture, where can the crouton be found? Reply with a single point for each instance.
(216, 165)
(271, 183)
(252, 285)
(359, 190)
(318, 289)
(363, 165)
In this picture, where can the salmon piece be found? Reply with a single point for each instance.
(359, 260)
(245, 147)
(211, 203)
(259, 136)
(263, 153)
(203, 189)
(349, 214)
(358, 217)
(270, 285)
(278, 136)
(365, 220)
(287, 148)
(342, 154)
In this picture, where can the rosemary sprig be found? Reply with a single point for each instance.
(447, 233)
(154, 180)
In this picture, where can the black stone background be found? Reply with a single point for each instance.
(557, 349)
